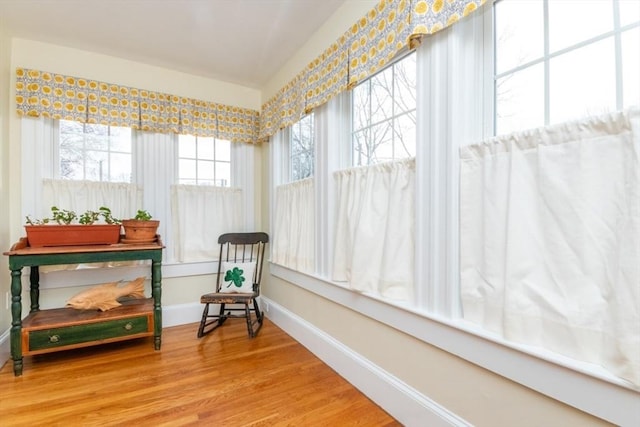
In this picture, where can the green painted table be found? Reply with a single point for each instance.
(65, 328)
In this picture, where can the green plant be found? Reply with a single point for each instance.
(66, 217)
(63, 216)
(142, 215)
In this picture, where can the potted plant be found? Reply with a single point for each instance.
(140, 229)
(61, 229)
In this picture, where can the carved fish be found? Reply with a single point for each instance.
(105, 297)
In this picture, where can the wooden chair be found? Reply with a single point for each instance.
(237, 283)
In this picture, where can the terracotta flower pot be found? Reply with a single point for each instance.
(72, 235)
(138, 231)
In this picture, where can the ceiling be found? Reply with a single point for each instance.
(238, 41)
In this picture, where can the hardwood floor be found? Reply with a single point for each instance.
(224, 379)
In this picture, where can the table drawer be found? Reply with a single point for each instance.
(87, 332)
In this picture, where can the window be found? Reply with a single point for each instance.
(301, 149)
(458, 70)
(384, 115)
(204, 161)
(549, 52)
(94, 152)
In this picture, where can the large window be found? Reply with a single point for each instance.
(384, 115)
(559, 60)
(204, 161)
(301, 149)
(512, 67)
(94, 152)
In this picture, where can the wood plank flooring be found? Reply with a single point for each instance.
(224, 379)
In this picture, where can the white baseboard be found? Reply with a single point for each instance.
(5, 347)
(181, 314)
(404, 403)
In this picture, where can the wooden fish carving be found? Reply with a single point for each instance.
(105, 297)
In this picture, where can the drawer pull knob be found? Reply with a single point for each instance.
(54, 338)
(128, 326)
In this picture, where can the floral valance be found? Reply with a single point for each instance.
(362, 50)
(40, 93)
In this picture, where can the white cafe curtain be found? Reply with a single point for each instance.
(550, 239)
(294, 226)
(374, 233)
(200, 215)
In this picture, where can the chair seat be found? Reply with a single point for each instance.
(227, 298)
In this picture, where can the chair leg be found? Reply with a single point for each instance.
(221, 317)
(203, 321)
(259, 318)
(217, 322)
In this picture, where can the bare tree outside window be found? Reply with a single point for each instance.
(94, 152)
(384, 115)
(301, 148)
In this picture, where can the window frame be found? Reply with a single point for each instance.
(547, 56)
(436, 320)
(291, 131)
(371, 123)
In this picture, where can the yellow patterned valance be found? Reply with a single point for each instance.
(377, 38)
(431, 16)
(365, 48)
(40, 93)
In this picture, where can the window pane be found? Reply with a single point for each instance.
(187, 146)
(187, 169)
(97, 166)
(359, 147)
(629, 12)
(379, 146)
(223, 174)
(205, 169)
(382, 96)
(582, 82)
(121, 142)
(120, 168)
(405, 84)
(223, 150)
(71, 164)
(519, 33)
(205, 148)
(379, 127)
(405, 135)
(96, 141)
(360, 96)
(631, 66)
(571, 22)
(520, 100)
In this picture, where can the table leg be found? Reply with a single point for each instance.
(16, 321)
(156, 293)
(34, 280)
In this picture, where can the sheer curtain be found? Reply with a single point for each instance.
(122, 198)
(374, 232)
(550, 239)
(294, 226)
(201, 214)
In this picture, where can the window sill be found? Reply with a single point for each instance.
(580, 385)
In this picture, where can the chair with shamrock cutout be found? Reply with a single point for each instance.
(237, 283)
